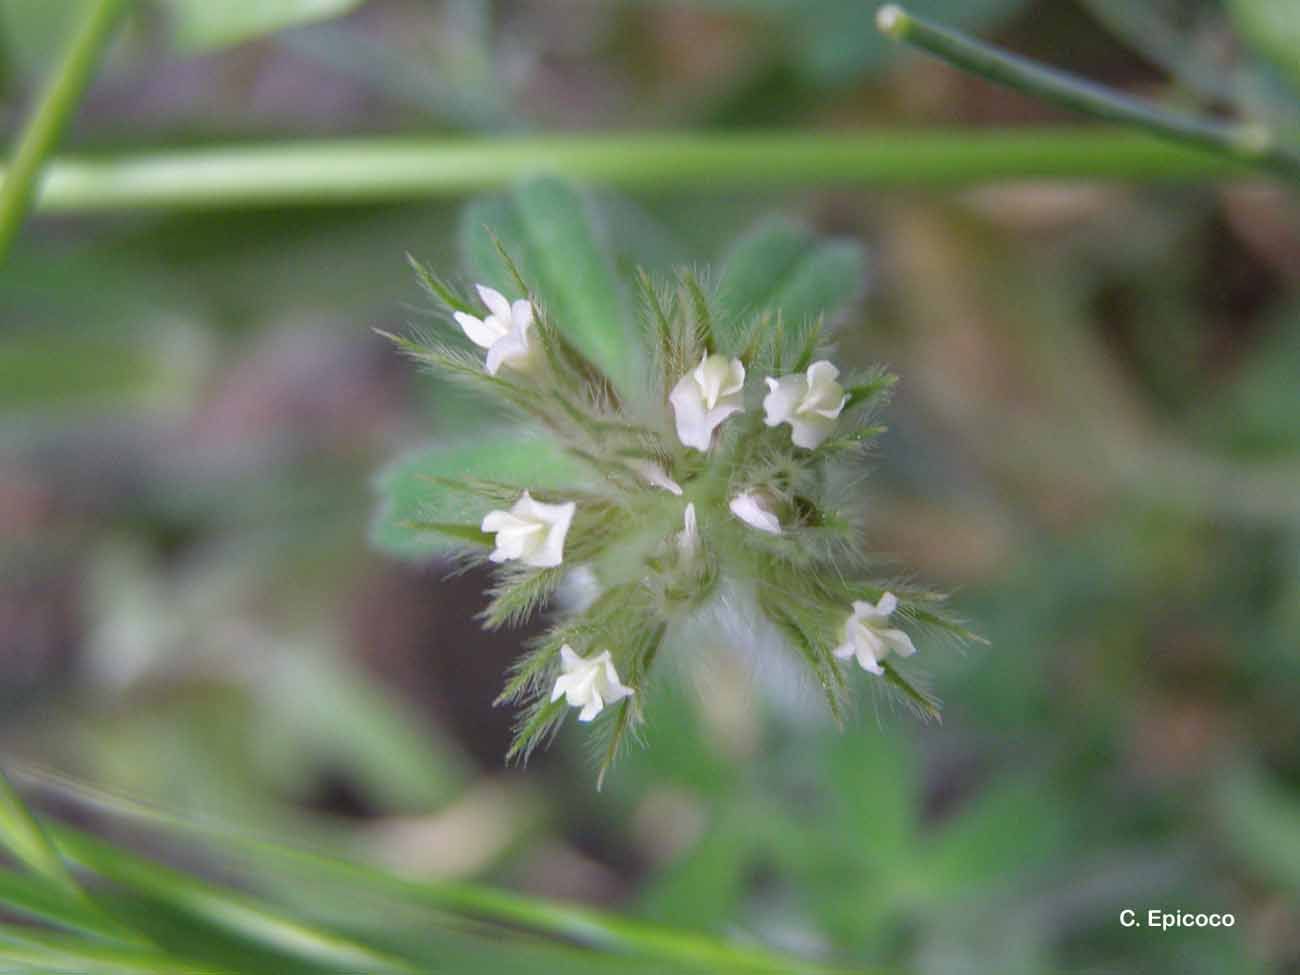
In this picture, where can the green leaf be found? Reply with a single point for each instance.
(1273, 29)
(546, 229)
(782, 267)
(1261, 821)
(703, 888)
(202, 25)
(1255, 415)
(1017, 821)
(413, 502)
(877, 781)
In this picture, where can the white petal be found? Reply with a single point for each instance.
(495, 521)
(898, 642)
(780, 403)
(568, 658)
(510, 350)
(706, 396)
(735, 380)
(821, 374)
(725, 408)
(655, 476)
(562, 684)
(592, 708)
(747, 508)
(521, 314)
(810, 431)
(514, 534)
(551, 552)
(612, 688)
(869, 663)
(869, 612)
(496, 303)
(888, 603)
(688, 539)
(690, 413)
(481, 333)
(709, 376)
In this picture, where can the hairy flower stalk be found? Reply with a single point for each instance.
(728, 478)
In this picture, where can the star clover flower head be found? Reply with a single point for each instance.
(503, 332)
(706, 396)
(625, 426)
(589, 683)
(751, 507)
(531, 532)
(810, 403)
(868, 636)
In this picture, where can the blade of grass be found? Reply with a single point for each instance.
(243, 916)
(37, 898)
(1248, 142)
(24, 837)
(61, 953)
(580, 925)
(27, 840)
(56, 105)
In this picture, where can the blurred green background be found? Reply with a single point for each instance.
(1096, 445)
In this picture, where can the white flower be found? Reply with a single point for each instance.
(750, 509)
(504, 332)
(688, 539)
(530, 531)
(868, 637)
(706, 396)
(809, 403)
(589, 684)
(655, 476)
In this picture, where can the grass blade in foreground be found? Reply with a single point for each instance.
(277, 864)
(24, 837)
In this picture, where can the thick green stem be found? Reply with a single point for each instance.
(57, 103)
(1247, 142)
(376, 170)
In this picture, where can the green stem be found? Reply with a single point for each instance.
(376, 170)
(57, 103)
(1249, 142)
